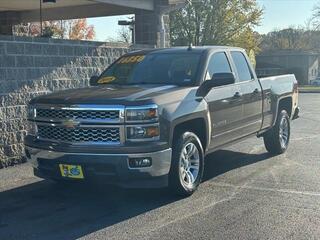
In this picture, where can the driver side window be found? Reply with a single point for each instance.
(218, 64)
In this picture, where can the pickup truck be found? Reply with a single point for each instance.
(150, 118)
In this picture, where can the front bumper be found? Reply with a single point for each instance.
(105, 168)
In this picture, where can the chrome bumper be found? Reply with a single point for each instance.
(161, 160)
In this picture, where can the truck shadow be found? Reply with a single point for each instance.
(223, 161)
(44, 210)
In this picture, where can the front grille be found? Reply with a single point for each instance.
(80, 135)
(56, 114)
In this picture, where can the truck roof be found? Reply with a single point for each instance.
(184, 49)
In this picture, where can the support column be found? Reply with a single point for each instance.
(7, 20)
(149, 25)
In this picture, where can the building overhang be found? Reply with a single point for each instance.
(28, 10)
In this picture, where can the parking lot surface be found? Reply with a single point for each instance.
(246, 194)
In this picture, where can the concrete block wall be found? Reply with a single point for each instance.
(35, 66)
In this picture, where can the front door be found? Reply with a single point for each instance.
(225, 104)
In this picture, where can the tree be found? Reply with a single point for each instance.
(52, 29)
(125, 35)
(315, 19)
(291, 39)
(77, 29)
(216, 22)
(295, 38)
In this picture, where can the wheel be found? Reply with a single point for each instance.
(276, 140)
(187, 164)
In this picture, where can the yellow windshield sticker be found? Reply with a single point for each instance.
(131, 59)
(106, 79)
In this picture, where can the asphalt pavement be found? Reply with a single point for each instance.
(246, 194)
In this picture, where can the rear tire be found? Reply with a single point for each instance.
(187, 164)
(276, 140)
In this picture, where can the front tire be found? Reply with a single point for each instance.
(276, 140)
(187, 164)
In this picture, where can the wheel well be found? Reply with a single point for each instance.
(197, 126)
(286, 104)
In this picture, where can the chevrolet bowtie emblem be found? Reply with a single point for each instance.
(71, 123)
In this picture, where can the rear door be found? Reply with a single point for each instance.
(251, 92)
(224, 102)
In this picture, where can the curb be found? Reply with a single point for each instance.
(309, 91)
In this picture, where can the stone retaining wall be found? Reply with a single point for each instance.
(34, 66)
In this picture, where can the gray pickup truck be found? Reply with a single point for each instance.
(150, 118)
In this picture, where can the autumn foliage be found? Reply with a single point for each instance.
(79, 29)
(76, 29)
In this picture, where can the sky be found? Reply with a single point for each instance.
(278, 14)
(106, 28)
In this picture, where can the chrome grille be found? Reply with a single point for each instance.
(78, 135)
(58, 114)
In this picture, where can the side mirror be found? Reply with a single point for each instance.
(93, 80)
(217, 80)
(221, 79)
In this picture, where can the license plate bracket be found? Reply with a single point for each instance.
(71, 171)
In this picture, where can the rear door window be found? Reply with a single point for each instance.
(244, 72)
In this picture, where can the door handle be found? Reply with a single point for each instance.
(237, 95)
(256, 91)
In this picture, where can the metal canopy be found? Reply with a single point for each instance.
(28, 10)
(25, 5)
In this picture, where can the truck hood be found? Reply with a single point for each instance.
(110, 94)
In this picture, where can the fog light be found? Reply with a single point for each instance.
(140, 162)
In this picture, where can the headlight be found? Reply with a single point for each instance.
(142, 114)
(143, 133)
(32, 128)
(31, 112)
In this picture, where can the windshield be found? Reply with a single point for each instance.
(175, 68)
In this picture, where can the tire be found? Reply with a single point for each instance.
(187, 164)
(276, 140)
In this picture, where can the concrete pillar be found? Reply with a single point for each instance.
(7, 20)
(149, 25)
